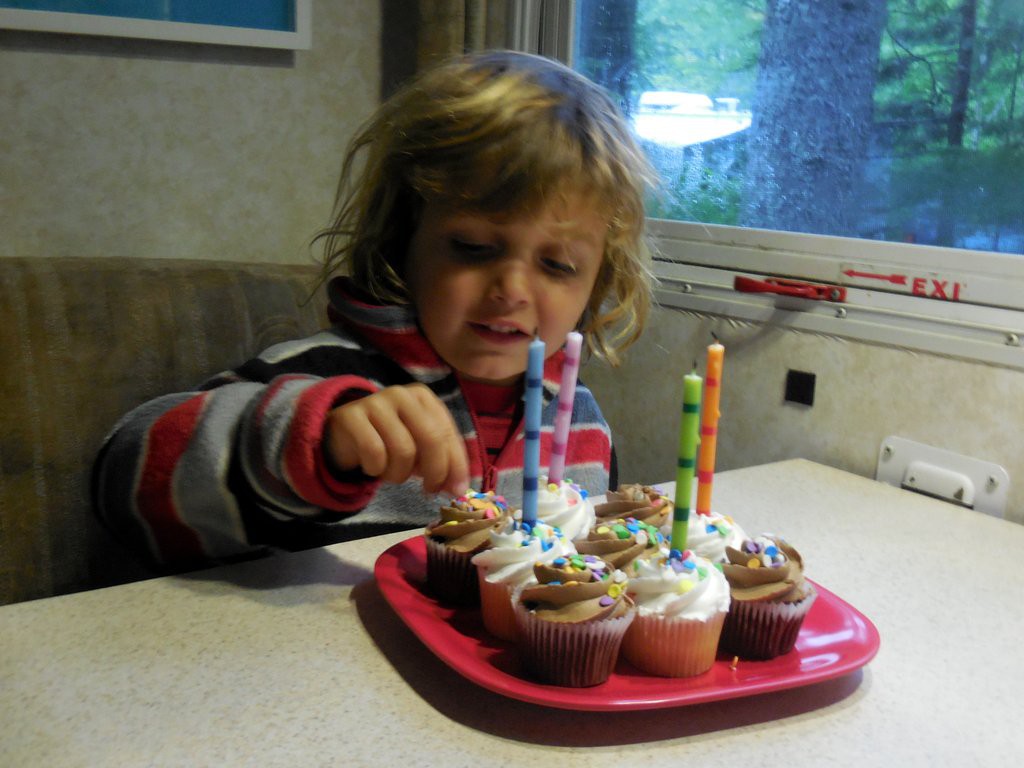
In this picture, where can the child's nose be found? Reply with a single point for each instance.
(510, 282)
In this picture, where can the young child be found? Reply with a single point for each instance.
(497, 197)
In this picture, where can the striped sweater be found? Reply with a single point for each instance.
(236, 467)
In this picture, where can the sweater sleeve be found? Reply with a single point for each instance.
(188, 478)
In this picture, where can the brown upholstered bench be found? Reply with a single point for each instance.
(84, 340)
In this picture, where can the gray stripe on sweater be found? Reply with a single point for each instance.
(200, 485)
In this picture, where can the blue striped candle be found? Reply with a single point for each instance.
(531, 448)
(688, 441)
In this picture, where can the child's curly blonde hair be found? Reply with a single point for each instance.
(496, 132)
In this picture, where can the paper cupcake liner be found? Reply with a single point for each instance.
(573, 655)
(451, 575)
(672, 647)
(496, 608)
(763, 630)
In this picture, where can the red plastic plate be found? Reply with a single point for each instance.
(835, 639)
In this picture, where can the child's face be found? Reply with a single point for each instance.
(483, 284)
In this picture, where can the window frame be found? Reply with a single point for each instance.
(697, 264)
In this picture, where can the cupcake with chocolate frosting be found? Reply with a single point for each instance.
(770, 598)
(641, 502)
(571, 622)
(462, 529)
(620, 542)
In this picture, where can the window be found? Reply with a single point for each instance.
(874, 148)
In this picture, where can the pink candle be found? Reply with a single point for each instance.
(566, 395)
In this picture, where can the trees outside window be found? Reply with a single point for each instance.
(895, 120)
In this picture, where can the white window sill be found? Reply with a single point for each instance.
(697, 265)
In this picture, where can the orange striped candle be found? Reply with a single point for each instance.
(709, 427)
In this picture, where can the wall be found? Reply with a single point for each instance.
(863, 394)
(115, 147)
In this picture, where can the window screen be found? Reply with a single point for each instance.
(893, 120)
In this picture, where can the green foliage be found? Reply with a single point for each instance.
(978, 188)
(699, 46)
(700, 183)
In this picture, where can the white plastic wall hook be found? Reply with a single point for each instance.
(963, 480)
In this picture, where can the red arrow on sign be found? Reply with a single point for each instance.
(895, 279)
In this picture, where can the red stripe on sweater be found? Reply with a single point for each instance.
(406, 346)
(586, 446)
(304, 464)
(553, 370)
(154, 498)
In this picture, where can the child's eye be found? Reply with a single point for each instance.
(470, 248)
(563, 268)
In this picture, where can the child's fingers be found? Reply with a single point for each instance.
(369, 433)
(398, 432)
(440, 450)
(443, 461)
(353, 441)
(390, 415)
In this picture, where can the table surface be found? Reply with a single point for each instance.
(298, 660)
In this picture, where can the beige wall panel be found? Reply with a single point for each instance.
(115, 147)
(863, 394)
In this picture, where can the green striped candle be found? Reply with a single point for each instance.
(688, 442)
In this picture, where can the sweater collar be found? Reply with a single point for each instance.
(392, 329)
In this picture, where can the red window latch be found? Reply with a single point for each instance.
(790, 288)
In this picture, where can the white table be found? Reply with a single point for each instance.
(298, 660)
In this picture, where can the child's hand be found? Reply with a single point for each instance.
(396, 433)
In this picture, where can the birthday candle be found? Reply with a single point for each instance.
(709, 427)
(688, 441)
(531, 448)
(560, 439)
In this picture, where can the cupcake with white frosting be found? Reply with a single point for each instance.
(508, 564)
(709, 534)
(564, 506)
(681, 604)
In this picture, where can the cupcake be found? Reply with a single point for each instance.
(565, 506)
(572, 621)
(770, 598)
(681, 603)
(508, 563)
(462, 530)
(641, 502)
(620, 542)
(708, 534)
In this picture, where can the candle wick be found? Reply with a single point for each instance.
(714, 336)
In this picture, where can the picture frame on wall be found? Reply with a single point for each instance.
(283, 24)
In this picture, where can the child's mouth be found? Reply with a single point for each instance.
(499, 333)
